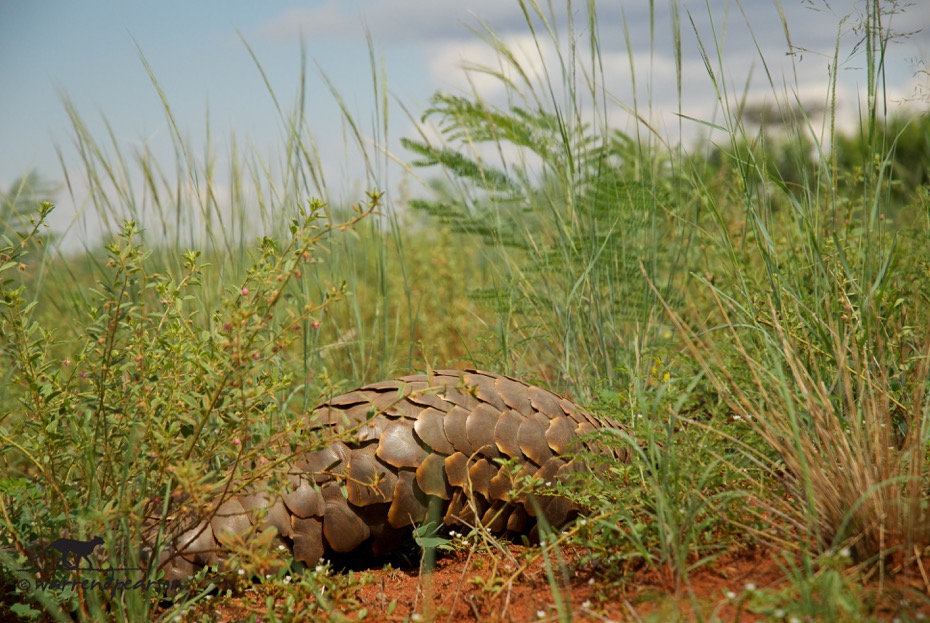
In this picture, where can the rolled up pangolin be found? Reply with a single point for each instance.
(442, 436)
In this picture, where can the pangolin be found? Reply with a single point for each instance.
(447, 436)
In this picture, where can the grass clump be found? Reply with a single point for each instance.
(157, 397)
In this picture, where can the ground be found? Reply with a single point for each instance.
(512, 585)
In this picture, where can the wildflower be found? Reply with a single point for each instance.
(315, 324)
(750, 586)
(586, 604)
(540, 614)
(245, 291)
(66, 363)
(730, 595)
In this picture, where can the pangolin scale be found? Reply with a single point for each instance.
(441, 436)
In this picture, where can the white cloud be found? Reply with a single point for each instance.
(395, 21)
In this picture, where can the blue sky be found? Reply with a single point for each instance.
(90, 50)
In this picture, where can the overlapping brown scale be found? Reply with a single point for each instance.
(346, 417)
(415, 378)
(431, 477)
(545, 402)
(577, 413)
(342, 528)
(567, 471)
(561, 434)
(175, 567)
(519, 519)
(331, 459)
(197, 544)
(479, 429)
(500, 485)
(532, 438)
(456, 395)
(349, 398)
(402, 408)
(308, 539)
(399, 447)
(264, 511)
(584, 428)
(549, 469)
(459, 512)
(457, 469)
(506, 432)
(304, 501)
(480, 473)
(528, 469)
(495, 518)
(230, 521)
(390, 402)
(556, 509)
(410, 503)
(484, 389)
(454, 426)
(371, 430)
(513, 393)
(429, 428)
(381, 385)
(429, 399)
(369, 480)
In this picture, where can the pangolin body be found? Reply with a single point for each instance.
(446, 436)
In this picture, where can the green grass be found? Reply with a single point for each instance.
(754, 312)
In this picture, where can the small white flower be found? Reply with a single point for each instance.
(319, 568)
(779, 613)
(416, 616)
(586, 604)
(241, 572)
(591, 581)
(281, 548)
(730, 595)
(287, 579)
(845, 553)
(750, 586)
(794, 620)
(583, 522)
(540, 614)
